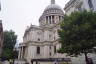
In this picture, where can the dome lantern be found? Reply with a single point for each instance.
(52, 1)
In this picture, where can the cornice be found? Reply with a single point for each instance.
(35, 43)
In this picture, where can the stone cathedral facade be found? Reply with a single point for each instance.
(40, 43)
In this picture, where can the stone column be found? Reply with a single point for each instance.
(19, 55)
(21, 52)
(55, 18)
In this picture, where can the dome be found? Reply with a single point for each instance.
(52, 9)
(53, 6)
(52, 14)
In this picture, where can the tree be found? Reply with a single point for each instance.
(9, 42)
(78, 33)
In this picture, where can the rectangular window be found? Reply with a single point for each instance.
(54, 49)
(38, 50)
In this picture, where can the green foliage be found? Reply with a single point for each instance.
(78, 33)
(9, 42)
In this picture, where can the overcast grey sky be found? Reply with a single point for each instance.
(18, 14)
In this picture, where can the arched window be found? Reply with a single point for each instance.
(38, 50)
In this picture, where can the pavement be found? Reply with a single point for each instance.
(5, 62)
